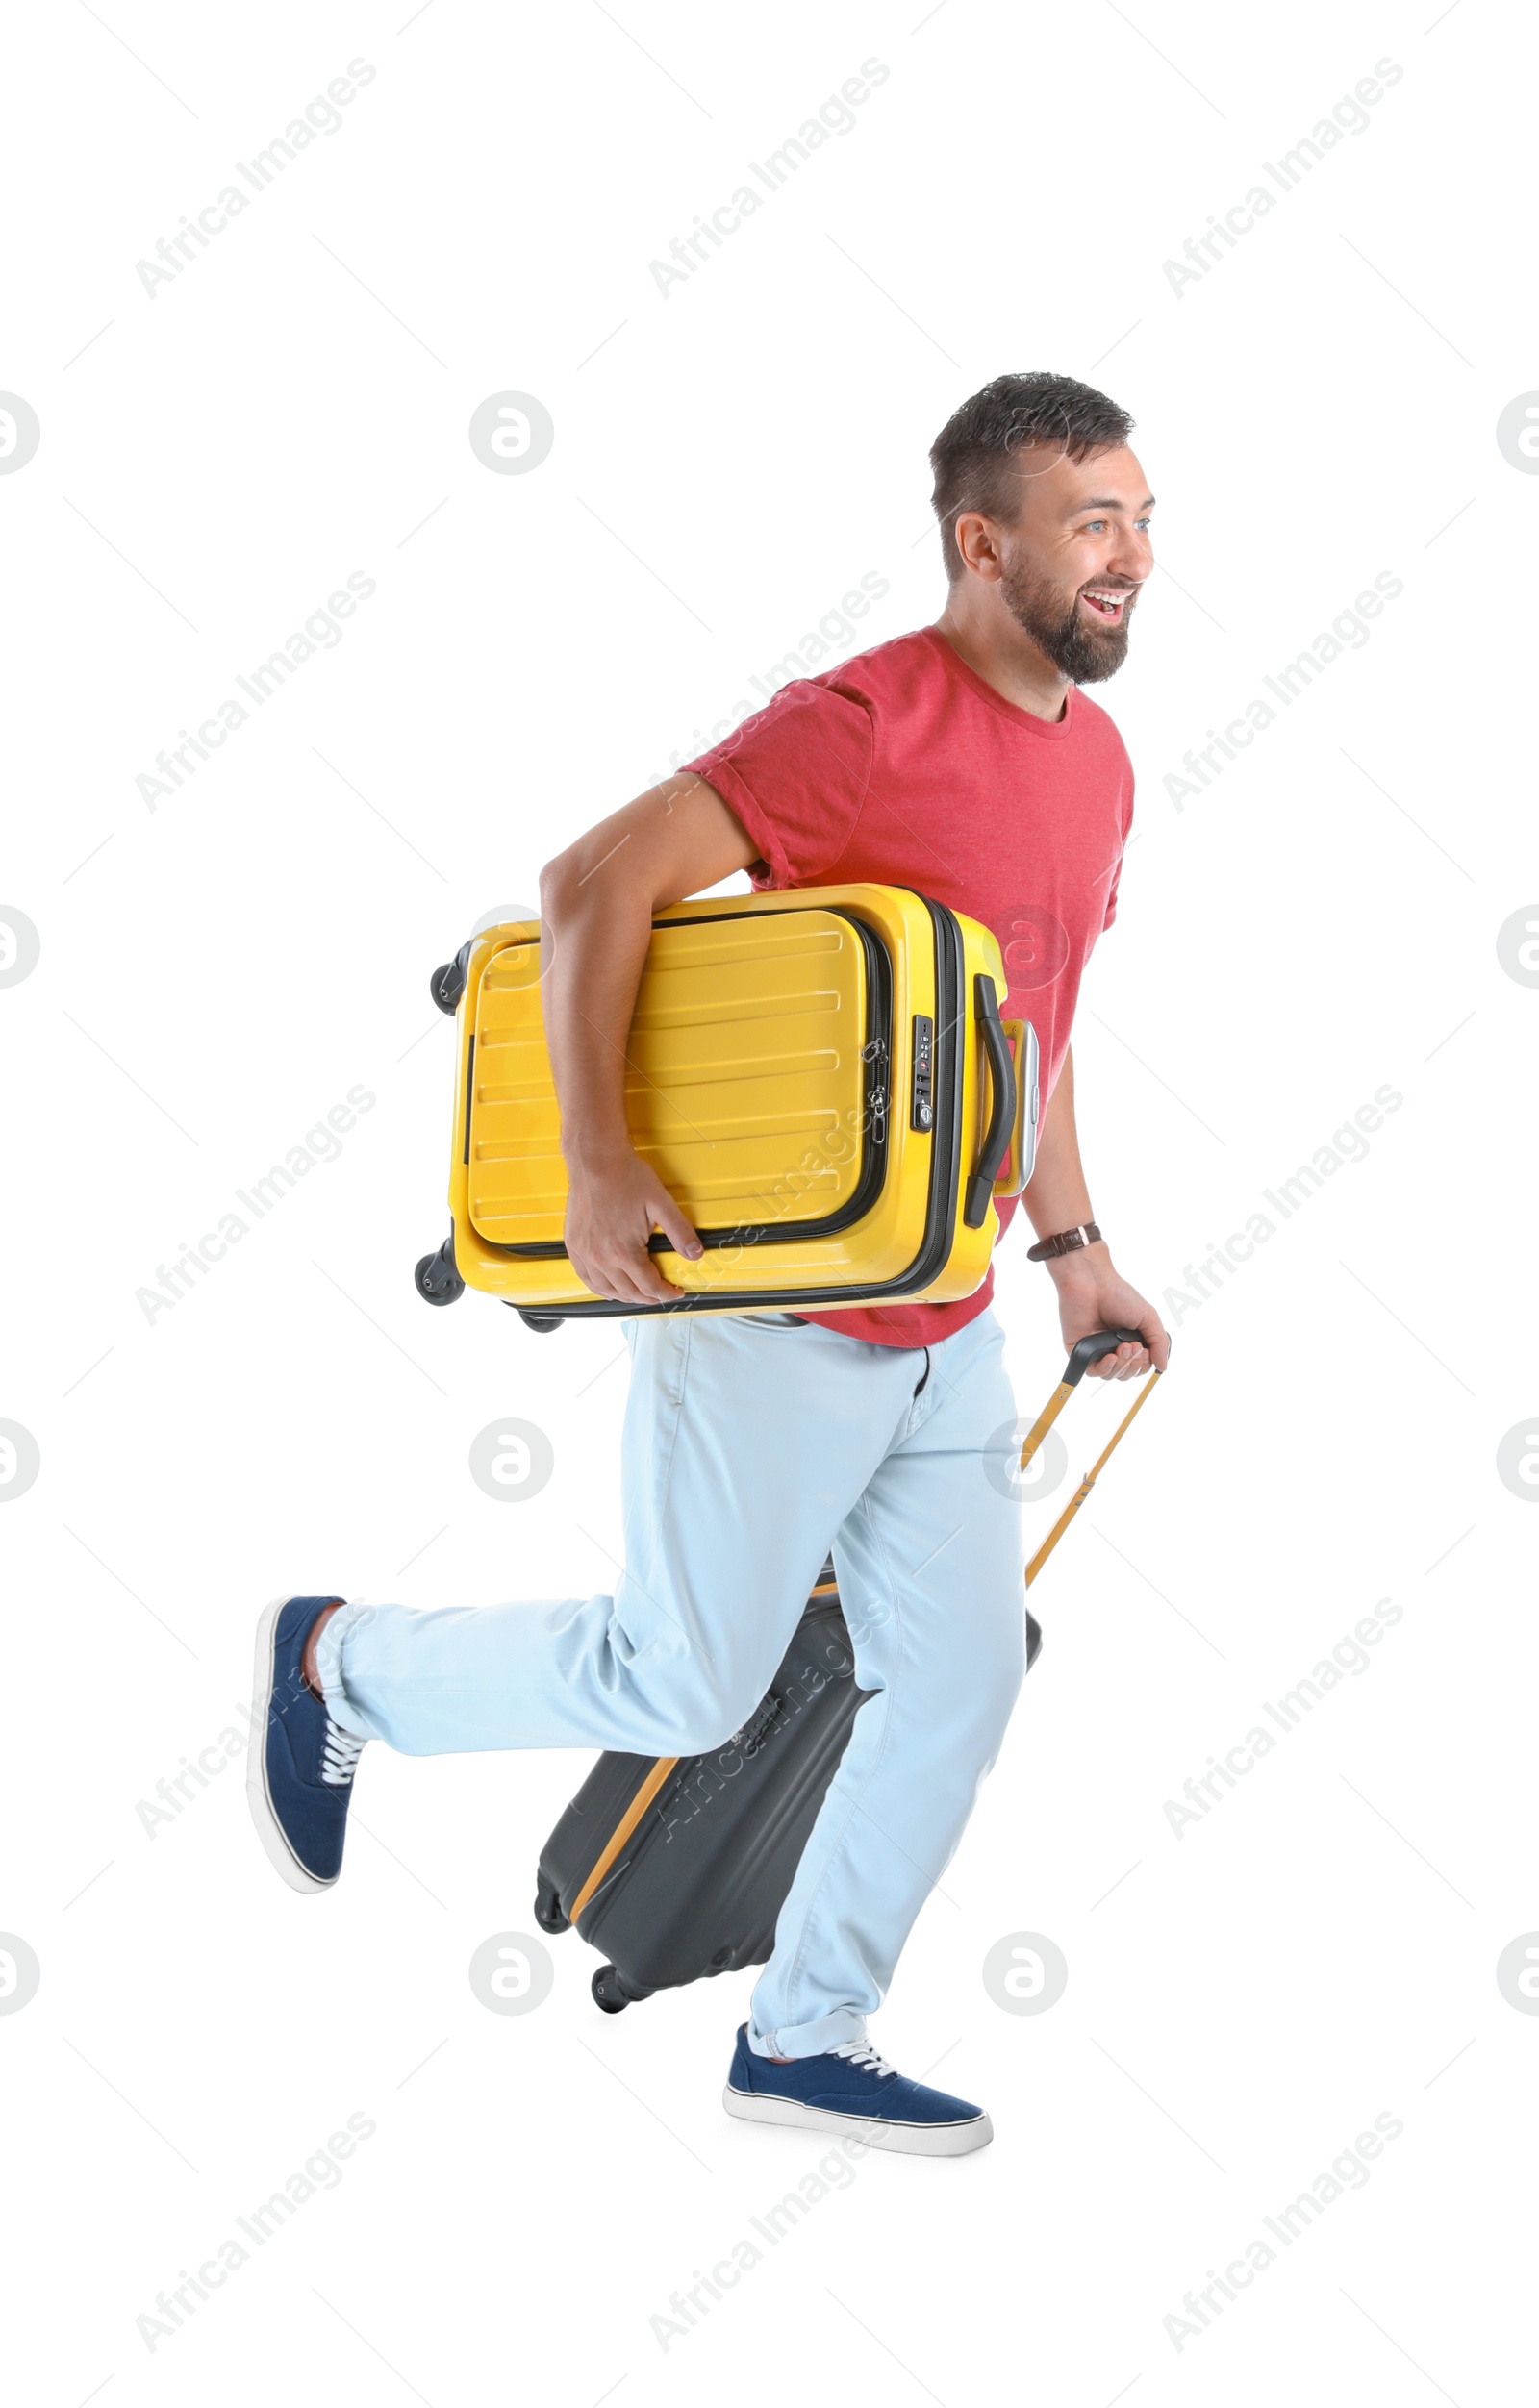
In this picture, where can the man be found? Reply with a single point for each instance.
(964, 760)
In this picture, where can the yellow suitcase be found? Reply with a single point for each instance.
(819, 1075)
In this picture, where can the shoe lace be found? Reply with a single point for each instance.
(860, 2052)
(340, 1755)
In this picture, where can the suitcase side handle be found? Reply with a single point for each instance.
(1002, 1100)
(1013, 1176)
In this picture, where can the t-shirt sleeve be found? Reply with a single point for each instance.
(795, 774)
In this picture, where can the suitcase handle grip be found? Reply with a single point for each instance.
(1101, 1341)
(1002, 1099)
(1012, 1178)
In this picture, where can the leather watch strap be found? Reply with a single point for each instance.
(1065, 1241)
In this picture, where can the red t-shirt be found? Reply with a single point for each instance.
(904, 769)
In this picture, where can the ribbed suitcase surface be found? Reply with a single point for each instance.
(745, 1051)
(820, 1076)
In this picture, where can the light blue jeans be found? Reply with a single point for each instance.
(751, 1447)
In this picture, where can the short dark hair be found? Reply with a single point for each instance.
(972, 453)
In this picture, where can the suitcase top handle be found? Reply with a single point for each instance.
(1101, 1341)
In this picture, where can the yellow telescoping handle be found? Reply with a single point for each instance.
(1088, 1351)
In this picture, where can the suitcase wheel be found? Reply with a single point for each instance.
(438, 1282)
(609, 1991)
(447, 983)
(548, 1912)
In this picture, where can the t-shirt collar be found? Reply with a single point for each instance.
(1046, 731)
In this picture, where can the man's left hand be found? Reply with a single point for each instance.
(1092, 1295)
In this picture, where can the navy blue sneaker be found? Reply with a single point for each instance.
(853, 2089)
(299, 1773)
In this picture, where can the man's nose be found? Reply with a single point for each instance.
(1133, 556)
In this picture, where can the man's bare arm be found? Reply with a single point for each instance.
(597, 902)
(1092, 1293)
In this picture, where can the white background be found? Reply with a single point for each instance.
(217, 973)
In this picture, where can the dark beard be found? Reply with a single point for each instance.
(1080, 653)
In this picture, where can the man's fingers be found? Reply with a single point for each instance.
(624, 1271)
(656, 1289)
(610, 1224)
(1128, 1362)
(681, 1236)
(646, 1269)
(678, 1229)
(1107, 1367)
(644, 1282)
(619, 1287)
(642, 1267)
(623, 1281)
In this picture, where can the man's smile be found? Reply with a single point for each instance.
(1109, 603)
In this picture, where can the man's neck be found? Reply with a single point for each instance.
(1006, 657)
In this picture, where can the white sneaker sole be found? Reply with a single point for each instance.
(269, 1830)
(912, 2139)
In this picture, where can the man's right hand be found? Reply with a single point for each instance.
(597, 903)
(611, 1209)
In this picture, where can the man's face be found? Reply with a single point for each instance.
(1072, 564)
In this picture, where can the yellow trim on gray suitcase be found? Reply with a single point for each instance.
(622, 1832)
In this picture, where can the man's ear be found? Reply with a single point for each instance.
(977, 539)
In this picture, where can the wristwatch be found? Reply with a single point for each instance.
(1067, 1242)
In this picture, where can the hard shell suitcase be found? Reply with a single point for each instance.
(821, 1077)
(677, 1867)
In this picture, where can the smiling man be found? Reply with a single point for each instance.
(967, 761)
